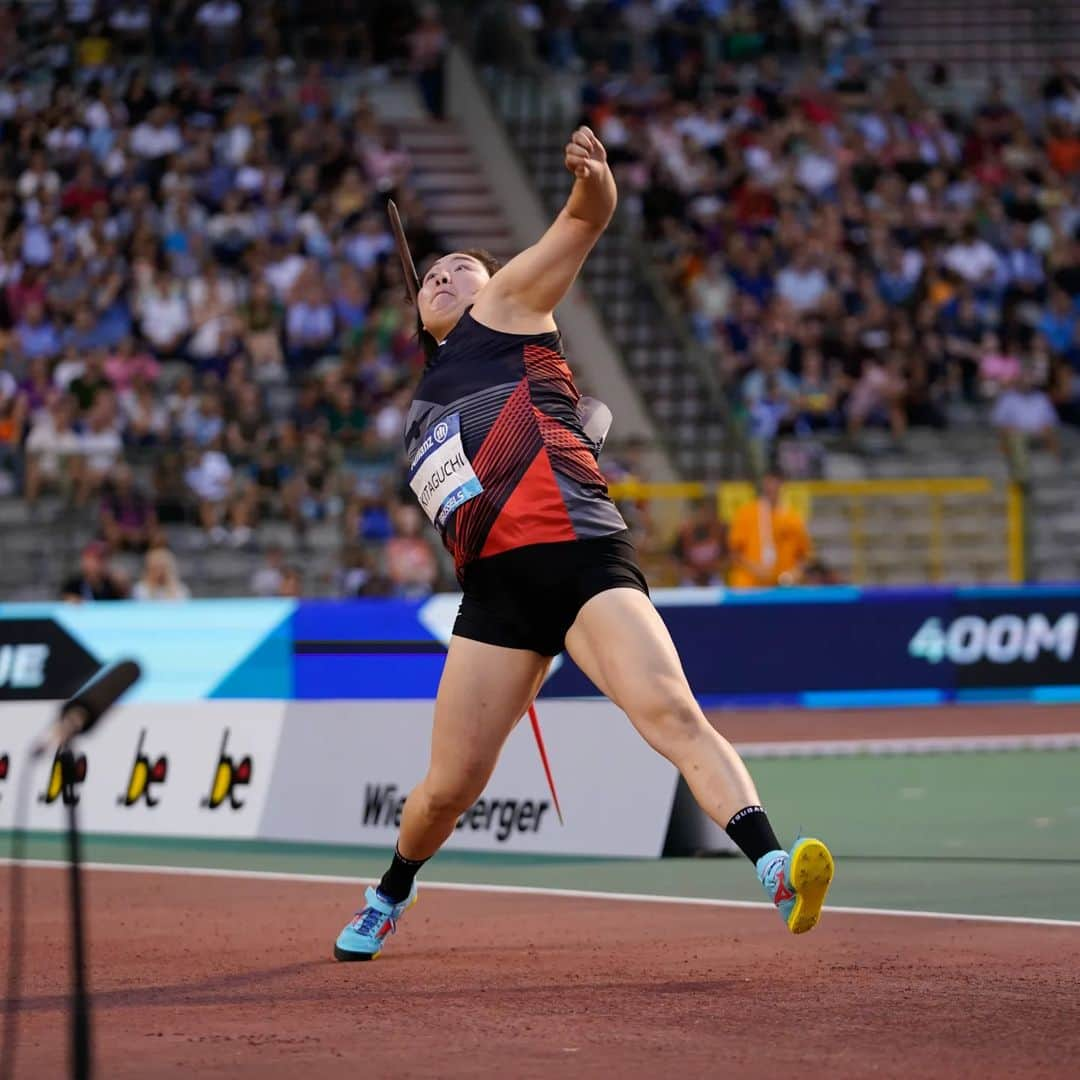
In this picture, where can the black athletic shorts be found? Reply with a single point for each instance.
(529, 597)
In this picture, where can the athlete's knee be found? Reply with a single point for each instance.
(447, 795)
(669, 717)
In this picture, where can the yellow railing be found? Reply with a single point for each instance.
(670, 503)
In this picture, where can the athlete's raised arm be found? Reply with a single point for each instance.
(523, 294)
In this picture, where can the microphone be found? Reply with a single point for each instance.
(80, 713)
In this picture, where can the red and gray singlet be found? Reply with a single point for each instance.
(498, 457)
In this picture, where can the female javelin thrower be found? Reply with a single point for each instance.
(503, 467)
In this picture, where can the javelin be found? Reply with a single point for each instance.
(535, 721)
(412, 284)
(412, 279)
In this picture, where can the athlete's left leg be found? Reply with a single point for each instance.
(621, 643)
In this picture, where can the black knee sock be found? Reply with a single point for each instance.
(397, 881)
(751, 831)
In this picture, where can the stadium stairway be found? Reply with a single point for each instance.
(459, 202)
(1014, 38)
(894, 534)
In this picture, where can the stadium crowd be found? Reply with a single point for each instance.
(198, 319)
(854, 243)
(201, 320)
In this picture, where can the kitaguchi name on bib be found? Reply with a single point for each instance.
(440, 474)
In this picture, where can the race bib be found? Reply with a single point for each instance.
(440, 474)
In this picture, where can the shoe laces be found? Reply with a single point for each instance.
(367, 921)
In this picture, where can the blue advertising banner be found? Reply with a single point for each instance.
(810, 647)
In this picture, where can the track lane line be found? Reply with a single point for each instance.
(536, 890)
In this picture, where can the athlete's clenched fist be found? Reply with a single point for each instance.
(586, 157)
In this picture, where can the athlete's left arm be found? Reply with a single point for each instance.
(530, 286)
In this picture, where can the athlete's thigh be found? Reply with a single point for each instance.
(484, 691)
(620, 642)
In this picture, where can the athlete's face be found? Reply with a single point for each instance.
(449, 287)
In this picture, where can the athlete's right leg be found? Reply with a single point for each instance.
(484, 691)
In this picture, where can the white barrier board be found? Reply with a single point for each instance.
(170, 769)
(338, 772)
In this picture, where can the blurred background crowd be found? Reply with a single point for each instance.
(202, 319)
(855, 243)
(198, 318)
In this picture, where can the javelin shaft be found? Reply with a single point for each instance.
(535, 721)
(408, 267)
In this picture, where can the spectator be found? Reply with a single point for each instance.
(130, 23)
(309, 494)
(1058, 323)
(96, 580)
(769, 543)
(1024, 413)
(268, 577)
(701, 546)
(36, 335)
(127, 516)
(207, 424)
(145, 417)
(219, 21)
(172, 496)
(411, 566)
(126, 364)
(160, 578)
(367, 515)
(260, 322)
(100, 446)
(13, 415)
(802, 284)
(292, 582)
(91, 382)
(309, 322)
(879, 395)
(213, 301)
(359, 576)
(817, 395)
(36, 389)
(183, 405)
(427, 45)
(54, 452)
(818, 572)
(210, 478)
(165, 320)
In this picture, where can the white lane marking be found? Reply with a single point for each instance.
(534, 890)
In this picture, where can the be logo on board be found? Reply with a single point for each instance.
(145, 775)
(230, 774)
(57, 789)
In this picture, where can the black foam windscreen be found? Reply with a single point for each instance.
(103, 690)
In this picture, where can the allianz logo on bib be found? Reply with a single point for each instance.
(421, 450)
(435, 437)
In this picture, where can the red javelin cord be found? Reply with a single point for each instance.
(534, 720)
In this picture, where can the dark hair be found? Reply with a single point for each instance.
(491, 264)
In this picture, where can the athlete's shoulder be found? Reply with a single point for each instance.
(500, 312)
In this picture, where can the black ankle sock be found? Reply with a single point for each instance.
(397, 881)
(751, 831)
